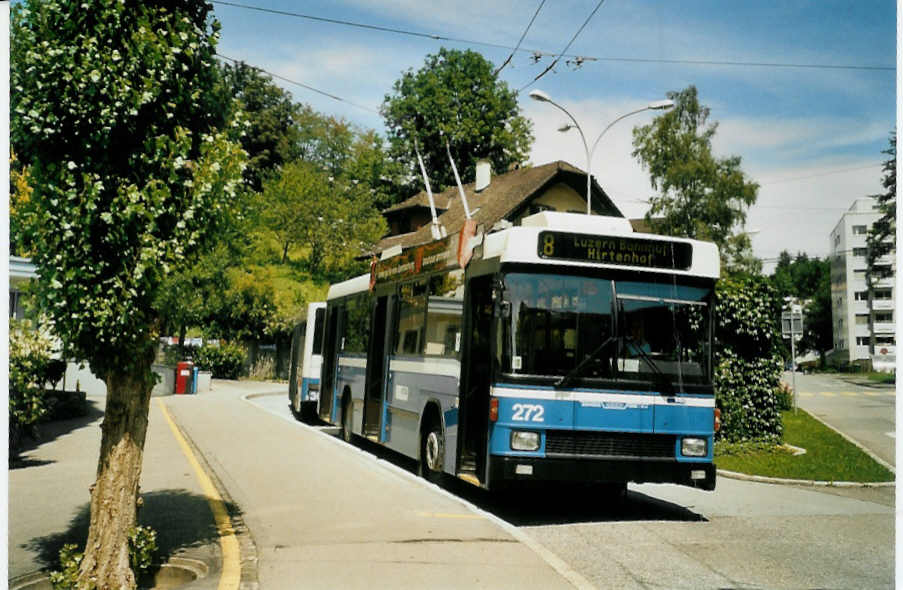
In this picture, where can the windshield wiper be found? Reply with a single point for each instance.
(663, 379)
(585, 362)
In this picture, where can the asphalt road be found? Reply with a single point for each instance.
(743, 535)
(864, 411)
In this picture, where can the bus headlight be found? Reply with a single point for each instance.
(693, 447)
(522, 440)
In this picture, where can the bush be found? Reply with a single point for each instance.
(30, 368)
(224, 361)
(264, 368)
(142, 546)
(785, 397)
(747, 360)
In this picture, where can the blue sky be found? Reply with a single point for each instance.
(812, 137)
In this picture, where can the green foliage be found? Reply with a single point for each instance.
(142, 546)
(747, 359)
(70, 558)
(808, 280)
(785, 397)
(271, 136)
(120, 114)
(701, 196)
(828, 457)
(455, 95)
(30, 369)
(224, 361)
(882, 235)
(333, 220)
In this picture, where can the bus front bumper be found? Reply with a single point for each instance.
(507, 470)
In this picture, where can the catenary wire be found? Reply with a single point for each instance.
(563, 51)
(301, 84)
(435, 37)
(513, 51)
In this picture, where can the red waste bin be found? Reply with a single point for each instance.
(184, 372)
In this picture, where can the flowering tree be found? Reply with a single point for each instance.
(118, 111)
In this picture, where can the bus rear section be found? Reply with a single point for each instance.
(306, 361)
(603, 377)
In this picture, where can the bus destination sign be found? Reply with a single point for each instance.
(618, 250)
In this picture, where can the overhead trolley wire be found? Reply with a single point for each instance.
(435, 37)
(513, 51)
(563, 51)
(301, 84)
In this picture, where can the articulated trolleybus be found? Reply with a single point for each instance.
(306, 361)
(565, 349)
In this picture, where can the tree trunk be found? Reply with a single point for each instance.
(114, 495)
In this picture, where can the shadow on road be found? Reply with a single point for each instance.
(182, 520)
(552, 504)
(50, 431)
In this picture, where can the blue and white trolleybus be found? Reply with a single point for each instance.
(568, 348)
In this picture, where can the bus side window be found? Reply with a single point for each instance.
(411, 317)
(444, 312)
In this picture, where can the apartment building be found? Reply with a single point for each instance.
(855, 320)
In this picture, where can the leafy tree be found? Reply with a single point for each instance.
(19, 206)
(701, 196)
(455, 95)
(882, 235)
(333, 220)
(119, 111)
(809, 281)
(271, 135)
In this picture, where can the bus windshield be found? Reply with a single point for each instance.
(570, 326)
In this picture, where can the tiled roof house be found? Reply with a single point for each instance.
(557, 186)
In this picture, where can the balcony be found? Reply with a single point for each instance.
(885, 327)
(880, 304)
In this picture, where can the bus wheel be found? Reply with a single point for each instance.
(347, 420)
(432, 453)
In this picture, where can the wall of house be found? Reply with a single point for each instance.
(559, 197)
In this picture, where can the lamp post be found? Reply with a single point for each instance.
(541, 96)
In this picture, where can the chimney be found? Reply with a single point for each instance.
(484, 173)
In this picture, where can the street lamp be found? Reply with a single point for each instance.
(541, 96)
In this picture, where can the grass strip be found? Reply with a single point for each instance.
(828, 457)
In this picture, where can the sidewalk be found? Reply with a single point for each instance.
(321, 514)
(49, 498)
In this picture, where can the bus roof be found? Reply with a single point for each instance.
(358, 284)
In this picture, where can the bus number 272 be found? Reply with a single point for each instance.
(528, 412)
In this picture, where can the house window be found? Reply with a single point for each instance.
(862, 295)
(862, 320)
(883, 294)
(885, 340)
(884, 316)
(862, 341)
(859, 230)
(860, 251)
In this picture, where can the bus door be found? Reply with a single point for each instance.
(376, 367)
(327, 375)
(297, 354)
(476, 363)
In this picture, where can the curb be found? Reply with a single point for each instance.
(804, 482)
(816, 483)
(248, 558)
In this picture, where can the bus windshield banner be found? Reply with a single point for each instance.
(623, 251)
